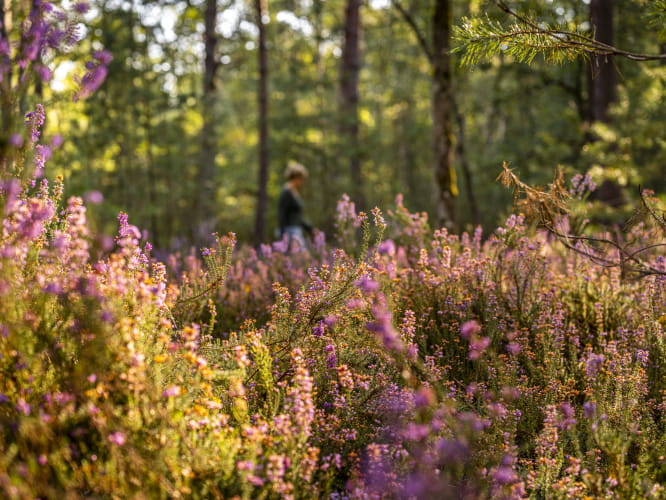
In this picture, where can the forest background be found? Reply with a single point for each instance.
(206, 101)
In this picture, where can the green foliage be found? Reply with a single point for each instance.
(481, 39)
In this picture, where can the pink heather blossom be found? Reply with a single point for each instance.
(117, 438)
(469, 329)
(514, 348)
(56, 141)
(345, 211)
(35, 120)
(477, 346)
(171, 391)
(43, 72)
(367, 284)
(386, 247)
(383, 328)
(94, 197)
(92, 79)
(23, 406)
(16, 140)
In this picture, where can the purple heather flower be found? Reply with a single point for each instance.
(331, 357)
(319, 242)
(42, 154)
(589, 409)
(35, 119)
(452, 451)
(319, 329)
(81, 7)
(281, 246)
(383, 328)
(42, 459)
(568, 419)
(346, 210)
(103, 56)
(92, 80)
(642, 357)
(594, 364)
(43, 72)
(3, 398)
(582, 184)
(416, 432)
(56, 141)
(424, 397)
(367, 284)
(386, 247)
(504, 475)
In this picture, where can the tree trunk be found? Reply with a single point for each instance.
(6, 111)
(262, 192)
(446, 190)
(205, 209)
(326, 177)
(349, 75)
(465, 167)
(603, 76)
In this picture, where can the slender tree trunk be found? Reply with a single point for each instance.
(151, 175)
(205, 208)
(349, 76)
(464, 165)
(446, 190)
(327, 188)
(262, 191)
(603, 76)
(6, 111)
(406, 150)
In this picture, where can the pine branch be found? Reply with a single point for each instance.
(525, 39)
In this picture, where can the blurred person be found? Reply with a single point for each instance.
(291, 221)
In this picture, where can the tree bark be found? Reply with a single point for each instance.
(465, 167)
(326, 177)
(446, 190)
(603, 76)
(6, 110)
(349, 96)
(205, 209)
(262, 95)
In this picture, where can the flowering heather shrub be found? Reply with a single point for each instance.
(34, 33)
(430, 366)
(424, 365)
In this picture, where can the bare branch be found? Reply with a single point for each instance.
(409, 19)
(548, 206)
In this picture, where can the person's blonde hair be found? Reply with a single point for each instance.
(295, 169)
